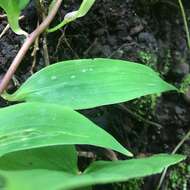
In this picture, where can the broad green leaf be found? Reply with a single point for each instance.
(89, 83)
(22, 3)
(71, 16)
(13, 9)
(33, 125)
(100, 172)
(60, 158)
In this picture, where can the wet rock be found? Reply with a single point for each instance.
(7, 53)
(136, 29)
(147, 39)
(181, 69)
(106, 50)
(172, 112)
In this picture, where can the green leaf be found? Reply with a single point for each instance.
(71, 16)
(32, 125)
(60, 158)
(13, 9)
(22, 3)
(88, 83)
(100, 172)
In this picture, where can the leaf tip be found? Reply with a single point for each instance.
(127, 153)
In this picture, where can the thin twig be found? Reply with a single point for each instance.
(3, 16)
(87, 154)
(69, 45)
(34, 52)
(45, 51)
(4, 30)
(139, 117)
(185, 22)
(186, 137)
(29, 41)
(7, 28)
(44, 40)
(60, 41)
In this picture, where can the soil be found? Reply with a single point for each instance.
(149, 32)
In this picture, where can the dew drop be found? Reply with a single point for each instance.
(84, 70)
(24, 139)
(73, 77)
(53, 78)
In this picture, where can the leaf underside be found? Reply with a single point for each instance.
(32, 125)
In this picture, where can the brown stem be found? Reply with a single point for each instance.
(29, 41)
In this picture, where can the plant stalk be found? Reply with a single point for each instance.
(185, 22)
(28, 42)
(186, 137)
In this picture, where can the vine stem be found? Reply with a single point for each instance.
(185, 22)
(186, 137)
(28, 42)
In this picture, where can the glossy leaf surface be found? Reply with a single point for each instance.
(13, 9)
(33, 125)
(89, 83)
(100, 172)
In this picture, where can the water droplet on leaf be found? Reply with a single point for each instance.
(53, 78)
